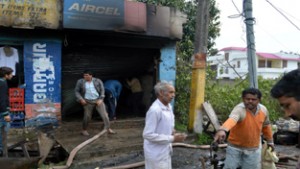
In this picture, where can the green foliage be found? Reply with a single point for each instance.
(223, 97)
(204, 139)
(171, 3)
(185, 52)
(183, 81)
(180, 127)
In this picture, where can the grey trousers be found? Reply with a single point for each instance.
(88, 111)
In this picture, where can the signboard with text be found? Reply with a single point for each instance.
(30, 13)
(42, 71)
(93, 14)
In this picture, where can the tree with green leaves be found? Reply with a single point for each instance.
(186, 51)
(185, 48)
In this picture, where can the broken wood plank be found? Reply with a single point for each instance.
(211, 115)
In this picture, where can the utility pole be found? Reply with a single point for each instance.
(199, 61)
(251, 53)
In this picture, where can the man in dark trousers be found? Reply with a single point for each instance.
(113, 90)
(135, 100)
(5, 74)
(89, 92)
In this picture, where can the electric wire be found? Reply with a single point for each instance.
(242, 37)
(236, 7)
(290, 15)
(241, 21)
(272, 37)
(283, 15)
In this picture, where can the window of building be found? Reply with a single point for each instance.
(269, 63)
(284, 63)
(238, 64)
(261, 63)
(226, 70)
(226, 56)
(221, 71)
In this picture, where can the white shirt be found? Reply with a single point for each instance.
(90, 91)
(158, 130)
(9, 61)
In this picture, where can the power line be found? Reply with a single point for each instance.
(283, 15)
(270, 35)
(236, 7)
(290, 15)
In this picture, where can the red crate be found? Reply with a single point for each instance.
(17, 106)
(16, 99)
(16, 94)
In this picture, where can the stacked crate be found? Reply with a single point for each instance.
(17, 107)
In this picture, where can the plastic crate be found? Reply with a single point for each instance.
(17, 116)
(17, 124)
(16, 99)
(16, 93)
(16, 106)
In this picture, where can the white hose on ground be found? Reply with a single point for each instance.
(197, 146)
(133, 165)
(77, 148)
(139, 164)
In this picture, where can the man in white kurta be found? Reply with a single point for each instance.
(159, 129)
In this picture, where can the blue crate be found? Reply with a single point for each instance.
(17, 116)
(17, 124)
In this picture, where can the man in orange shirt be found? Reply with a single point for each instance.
(246, 122)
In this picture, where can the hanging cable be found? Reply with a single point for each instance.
(236, 7)
(283, 15)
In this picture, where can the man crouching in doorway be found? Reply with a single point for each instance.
(89, 92)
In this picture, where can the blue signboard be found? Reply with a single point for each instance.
(93, 14)
(42, 71)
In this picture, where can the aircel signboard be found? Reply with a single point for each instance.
(93, 14)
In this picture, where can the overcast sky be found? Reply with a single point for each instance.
(272, 31)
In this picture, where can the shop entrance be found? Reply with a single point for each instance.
(106, 63)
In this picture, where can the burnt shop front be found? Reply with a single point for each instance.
(118, 40)
(114, 39)
(108, 61)
(34, 91)
(31, 46)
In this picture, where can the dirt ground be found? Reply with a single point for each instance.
(185, 158)
(128, 141)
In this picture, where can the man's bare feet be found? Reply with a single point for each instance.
(85, 133)
(110, 131)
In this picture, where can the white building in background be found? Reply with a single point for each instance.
(231, 63)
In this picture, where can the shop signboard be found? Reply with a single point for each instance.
(30, 13)
(42, 72)
(93, 14)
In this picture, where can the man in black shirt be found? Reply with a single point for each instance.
(5, 74)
